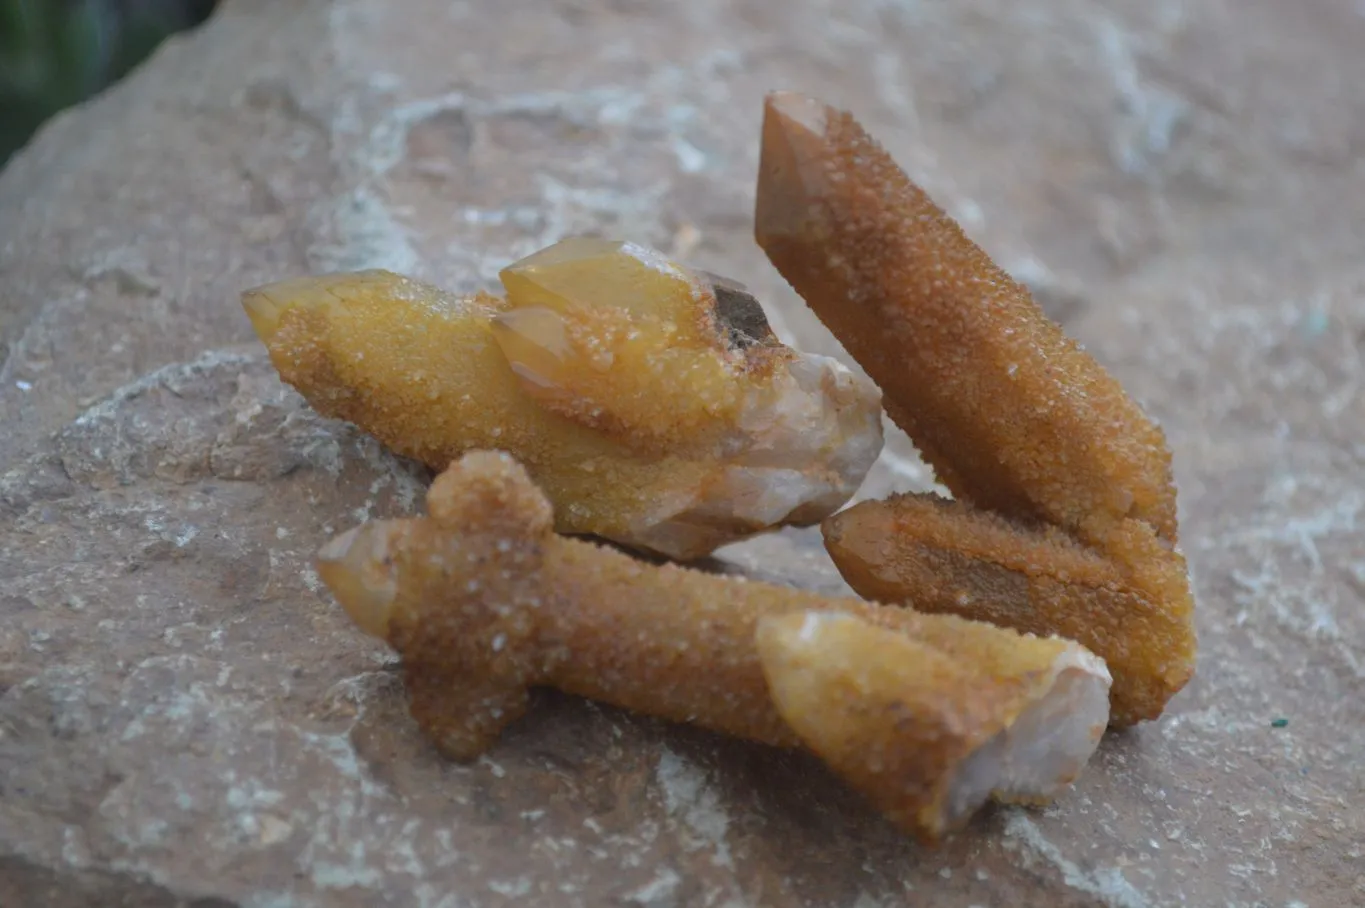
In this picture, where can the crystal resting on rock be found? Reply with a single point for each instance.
(927, 715)
(1010, 412)
(945, 556)
(650, 401)
(1066, 514)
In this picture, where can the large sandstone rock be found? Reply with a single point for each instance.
(187, 719)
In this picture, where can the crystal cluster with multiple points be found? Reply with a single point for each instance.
(650, 401)
(638, 400)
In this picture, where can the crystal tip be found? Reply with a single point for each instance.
(799, 109)
(356, 568)
(263, 311)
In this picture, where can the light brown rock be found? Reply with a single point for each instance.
(185, 716)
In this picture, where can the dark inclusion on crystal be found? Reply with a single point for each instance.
(740, 313)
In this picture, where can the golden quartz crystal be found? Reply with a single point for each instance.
(650, 401)
(926, 715)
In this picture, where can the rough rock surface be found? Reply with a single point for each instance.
(185, 717)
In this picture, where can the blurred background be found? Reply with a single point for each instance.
(56, 53)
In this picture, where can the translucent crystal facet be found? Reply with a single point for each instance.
(590, 272)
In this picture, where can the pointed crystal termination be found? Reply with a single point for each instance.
(924, 733)
(357, 567)
(587, 272)
(650, 401)
(1012, 415)
(614, 336)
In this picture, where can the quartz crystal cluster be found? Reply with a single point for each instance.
(650, 401)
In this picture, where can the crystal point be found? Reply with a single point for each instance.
(537, 348)
(586, 272)
(1033, 427)
(355, 567)
(263, 311)
(930, 727)
(790, 176)
(795, 111)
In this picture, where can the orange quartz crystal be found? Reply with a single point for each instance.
(1067, 521)
(927, 715)
(1011, 413)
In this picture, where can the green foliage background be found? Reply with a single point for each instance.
(55, 53)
